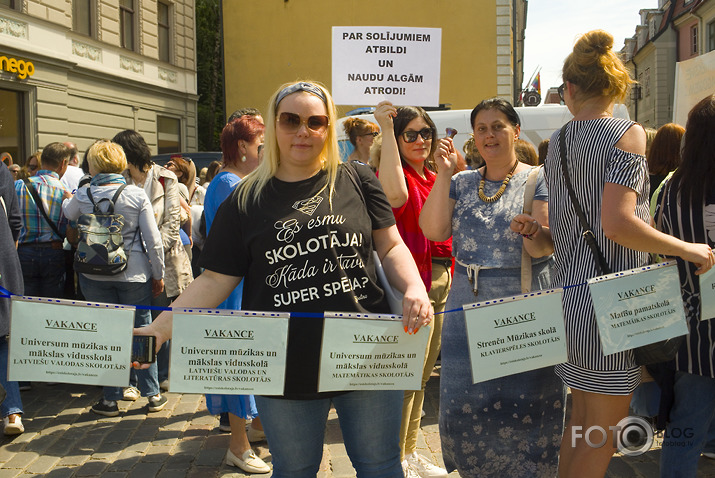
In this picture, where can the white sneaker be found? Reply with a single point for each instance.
(423, 467)
(13, 424)
(131, 394)
(408, 471)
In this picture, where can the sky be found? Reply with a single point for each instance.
(552, 27)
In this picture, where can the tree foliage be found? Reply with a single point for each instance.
(209, 58)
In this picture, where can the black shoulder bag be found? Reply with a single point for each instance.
(38, 202)
(663, 351)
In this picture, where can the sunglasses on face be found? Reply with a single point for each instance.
(411, 136)
(291, 122)
(32, 167)
(373, 134)
(561, 91)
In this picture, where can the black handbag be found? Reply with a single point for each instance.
(657, 352)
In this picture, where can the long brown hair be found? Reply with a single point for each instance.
(696, 173)
(664, 154)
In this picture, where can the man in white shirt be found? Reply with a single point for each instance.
(73, 173)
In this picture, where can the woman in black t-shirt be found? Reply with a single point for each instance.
(302, 234)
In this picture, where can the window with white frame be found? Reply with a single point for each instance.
(711, 36)
(694, 40)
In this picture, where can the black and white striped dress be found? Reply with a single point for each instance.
(593, 161)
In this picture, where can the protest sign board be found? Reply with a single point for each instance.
(228, 352)
(400, 64)
(53, 340)
(638, 307)
(370, 352)
(516, 334)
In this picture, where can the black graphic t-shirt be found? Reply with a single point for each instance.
(297, 254)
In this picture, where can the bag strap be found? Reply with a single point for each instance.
(40, 207)
(112, 202)
(529, 191)
(587, 234)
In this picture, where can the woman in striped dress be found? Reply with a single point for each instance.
(689, 214)
(608, 170)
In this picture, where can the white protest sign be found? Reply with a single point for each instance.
(370, 352)
(53, 340)
(515, 334)
(707, 295)
(638, 306)
(400, 64)
(228, 352)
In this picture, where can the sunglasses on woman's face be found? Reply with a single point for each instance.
(291, 122)
(561, 91)
(32, 167)
(373, 134)
(411, 136)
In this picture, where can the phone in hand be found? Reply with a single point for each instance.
(451, 132)
(144, 349)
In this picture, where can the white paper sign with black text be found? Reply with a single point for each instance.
(228, 352)
(515, 334)
(400, 64)
(53, 340)
(638, 307)
(370, 352)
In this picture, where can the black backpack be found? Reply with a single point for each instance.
(101, 244)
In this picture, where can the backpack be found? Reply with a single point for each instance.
(101, 245)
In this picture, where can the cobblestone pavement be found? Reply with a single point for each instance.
(63, 438)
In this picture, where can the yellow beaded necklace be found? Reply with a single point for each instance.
(497, 195)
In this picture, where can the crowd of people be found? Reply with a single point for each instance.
(448, 231)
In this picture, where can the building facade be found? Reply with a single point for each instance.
(677, 31)
(79, 70)
(270, 42)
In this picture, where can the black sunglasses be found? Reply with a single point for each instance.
(291, 122)
(561, 91)
(374, 133)
(411, 136)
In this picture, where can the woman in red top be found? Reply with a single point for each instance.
(407, 174)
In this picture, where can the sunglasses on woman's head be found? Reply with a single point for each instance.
(411, 136)
(291, 122)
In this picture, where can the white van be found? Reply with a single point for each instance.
(537, 124)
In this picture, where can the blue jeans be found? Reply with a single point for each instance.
(43, 270)
(691, 417)
(369, 420)
(13, 402)
(127, 293)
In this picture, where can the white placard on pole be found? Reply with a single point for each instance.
(515, 334)
(54, 340)
(400, 64)
(370, 352)
(638, 307)
(228, 352)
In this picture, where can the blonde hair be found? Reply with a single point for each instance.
(106, 157)
(595, 68)
(251, 187)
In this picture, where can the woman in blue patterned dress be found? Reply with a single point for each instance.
(609, 174)
(509, 426)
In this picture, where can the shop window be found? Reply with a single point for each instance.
(168, 132)
(164, 26)
(83, 15)
(126, 24)
(12, 139)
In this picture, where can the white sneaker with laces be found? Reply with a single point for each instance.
(131, 394)
(423, 467)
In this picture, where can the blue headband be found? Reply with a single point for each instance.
(302, 86)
